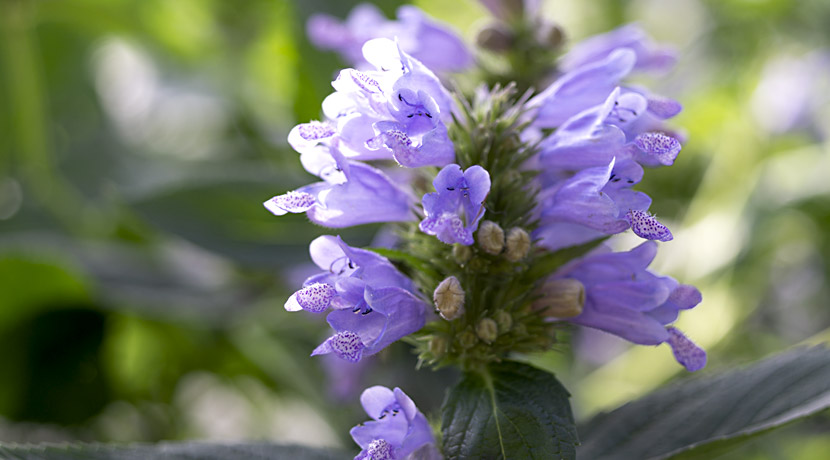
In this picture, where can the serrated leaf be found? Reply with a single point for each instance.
(166, 451)
(509, 410)
(703, 415)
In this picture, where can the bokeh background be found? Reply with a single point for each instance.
(142, 282)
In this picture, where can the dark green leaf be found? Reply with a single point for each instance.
(704, 415)
(166, 451)
(510, 410)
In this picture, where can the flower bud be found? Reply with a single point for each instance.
(438, 346)
(561, 298)
(467, 339)
(518, 244)
(487, 330)
(491, 237)
(550, 35)
(462, 254)
(495, 37)
(504, 321)
(449, 298)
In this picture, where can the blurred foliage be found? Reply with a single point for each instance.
(142, 281)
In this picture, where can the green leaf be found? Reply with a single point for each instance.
(509, 410)
(702, 416)
(166, 451)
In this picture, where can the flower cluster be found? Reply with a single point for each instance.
(517, 180)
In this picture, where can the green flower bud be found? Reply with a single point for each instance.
(563, 298)
(467, 339)
(518, 244)
(487, 330)
(449, 298)
(504, 321)
(438, 346)
(490, 237)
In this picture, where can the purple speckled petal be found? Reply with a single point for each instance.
(316, 297)
(658, 148)
(345, 344)
(294, 202)
(646, 226)
(686, 352)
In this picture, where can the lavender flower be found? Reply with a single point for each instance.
(625, 299)
(431, 43)
(649, 55)
(352, 193)
(345, 269)
(581, 88)
(611, 130)
(397, 111)
(455, 208)
(397, 428)
(380, 317)
(594, 203)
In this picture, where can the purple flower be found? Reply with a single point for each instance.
(381, 316)
(431, 43)
(363, 23)
(649, 55)
(625, 299)
(454, 210)
(374, 304)
(596, 202)
(397, 428)
(581, 88)
(601, 133)
(345, 269)
(398, 111)
(352, 193)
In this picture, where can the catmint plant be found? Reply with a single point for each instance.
(503, 196)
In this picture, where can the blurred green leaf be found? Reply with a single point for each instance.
(703, 416)
(38, 283)
(510, 410)
(166, 451)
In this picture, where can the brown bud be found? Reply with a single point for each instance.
(490, 237)
(561, 298)
(518, 244)
(487, 330)
(550, 35)
(449, 298)
(495, 37)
